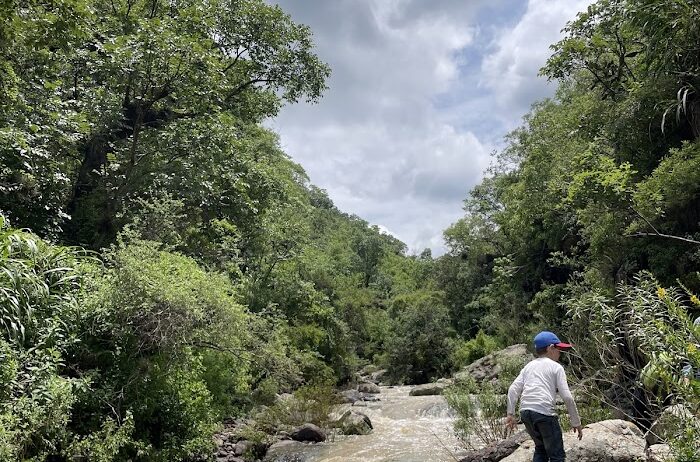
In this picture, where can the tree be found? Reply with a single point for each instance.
(124, 71)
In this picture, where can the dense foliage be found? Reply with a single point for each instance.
(594, 206)
(164, 265)
(217, 277)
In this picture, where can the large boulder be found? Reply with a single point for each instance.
(668, 424)
(488, 368)
(659, 453)
(368, 387)
(242, 447)
(428, 389)
(354, 423)
(285, 451)
(606, 441)
(379, 376)
(349, 396)
(308, 432)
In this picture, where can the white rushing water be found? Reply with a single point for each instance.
(406, 429)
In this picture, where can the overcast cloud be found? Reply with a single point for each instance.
(421, 93)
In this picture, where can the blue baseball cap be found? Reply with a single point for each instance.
(546, 338)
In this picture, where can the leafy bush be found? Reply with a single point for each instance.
(168, 343)
(38, 285)
(479, 416)
(467, 352)
(643, 342)
(591, 409)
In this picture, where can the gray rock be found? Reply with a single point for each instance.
(308, 432)
(666, 426)
(354, 423)
(487, 369)
(606, 441)
(368, 387)
(378, 376)
(659, 453)
(369, 369)
(285, 451)
(428, 389)
(241, 447)
(349, 396)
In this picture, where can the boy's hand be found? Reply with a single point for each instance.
(511, 424)
(578, 429)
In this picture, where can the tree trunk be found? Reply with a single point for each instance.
(91, 215)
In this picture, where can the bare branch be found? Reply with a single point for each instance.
(667, 236)
(656, 232)
(245, 85)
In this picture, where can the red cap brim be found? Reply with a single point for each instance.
(563, 345)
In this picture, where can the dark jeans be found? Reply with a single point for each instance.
(546, 433)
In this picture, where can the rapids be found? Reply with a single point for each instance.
(406, 429)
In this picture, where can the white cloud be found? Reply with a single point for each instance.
(510, 71)
(407, 125)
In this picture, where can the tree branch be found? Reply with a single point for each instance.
(243, 86)
(657, 233)
(668, 236)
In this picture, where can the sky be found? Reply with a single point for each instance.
(421, 94)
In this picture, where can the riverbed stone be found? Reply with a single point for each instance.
(378, 377)
(308, 432)
(354, 423)
(241, 447)
(368, 387)
(668, 422)
(428, 389)
(659, 453)
(286, 451)
(606, 441)
(349, 396)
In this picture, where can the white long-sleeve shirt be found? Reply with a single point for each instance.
(537, 386)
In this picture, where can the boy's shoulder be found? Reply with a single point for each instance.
(543, 364)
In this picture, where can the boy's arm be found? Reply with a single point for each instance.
(514, 392)
(568, 398)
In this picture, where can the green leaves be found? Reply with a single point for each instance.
(38, 285)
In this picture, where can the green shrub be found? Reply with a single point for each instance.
(643, 339)
(592, 409)
(466, 352)
(105, 444)
(167, 343)
(38, 312)
(479, 416)
(510, 368)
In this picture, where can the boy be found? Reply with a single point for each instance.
(537, 386)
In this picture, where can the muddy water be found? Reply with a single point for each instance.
(406, 429)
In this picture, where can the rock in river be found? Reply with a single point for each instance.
(354, 423)
(428, 389)
(308, 432)
(368, 388)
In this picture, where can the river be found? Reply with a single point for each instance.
(406, 429)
